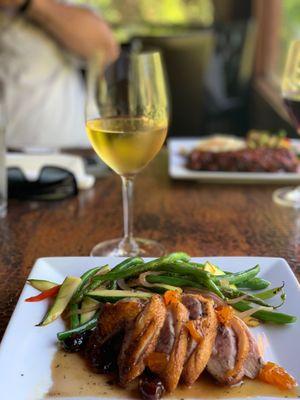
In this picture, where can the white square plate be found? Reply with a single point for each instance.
(26, 351)
(178, 170)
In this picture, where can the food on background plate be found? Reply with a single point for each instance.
(260, 152)
(219, 143)
(165, 321)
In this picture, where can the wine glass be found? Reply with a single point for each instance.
(126, 122)
(290, 87)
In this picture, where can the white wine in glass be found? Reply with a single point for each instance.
(290, 87)
(126, 122)
(126, 144)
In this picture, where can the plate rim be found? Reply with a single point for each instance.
(7, 334)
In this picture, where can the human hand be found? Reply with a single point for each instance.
(11, 3)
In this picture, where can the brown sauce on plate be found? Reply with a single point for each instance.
(72, 378)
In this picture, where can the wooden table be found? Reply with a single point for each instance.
(201, 219)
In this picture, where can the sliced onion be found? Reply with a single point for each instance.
(206, 293)
(123, 285)
(253, 310)
(236, 299)
(142, 279)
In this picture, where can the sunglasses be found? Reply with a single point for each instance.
(53, 183)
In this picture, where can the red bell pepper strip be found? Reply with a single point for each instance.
(44, 295)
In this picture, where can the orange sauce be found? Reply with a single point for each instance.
(72, 378)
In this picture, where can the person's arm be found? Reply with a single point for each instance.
(77, 28)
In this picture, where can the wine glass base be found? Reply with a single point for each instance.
(287, 196)
(146, 248)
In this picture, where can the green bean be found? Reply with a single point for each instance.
(91, 272)
(183, 282)
(178, 256)
(129, 262)
(264, 315)
(173, 280)
(183, 268)
(74, 318)
(234, 293)
(91, 324)
(199, 275)
(163, 286)
(268, 294)
(173, 258)
(137, 269)
(239, 277)
(254, 284)
(86, 277)
(197, 265)
(175, 262)
(112, 285)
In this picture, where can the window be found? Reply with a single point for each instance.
(289, 30)
(278, 25)
(136, 17)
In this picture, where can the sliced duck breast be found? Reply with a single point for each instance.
(224, 353)
(254, 360)
(112, 321)
(114, 317)
(172, 343)
(204, 324)
(140, 339)
(231, 350)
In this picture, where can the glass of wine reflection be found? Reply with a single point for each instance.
(126, 122)
(290, 87)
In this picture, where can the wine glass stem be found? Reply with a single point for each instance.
(128, 244)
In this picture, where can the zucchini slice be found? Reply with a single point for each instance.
(115, 295)
(88, 309)
(66, 291)
(41, 285)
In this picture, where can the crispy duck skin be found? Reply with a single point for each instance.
(173, 341)
(188, 334)
(111, 324)
(236, 375)
(204, 318)
(115, 316)
(140, 339)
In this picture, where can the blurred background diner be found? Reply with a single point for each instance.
(223, 61)
(43, 45)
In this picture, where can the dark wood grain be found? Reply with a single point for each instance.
(201, 219)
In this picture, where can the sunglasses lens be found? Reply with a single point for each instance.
(53, 184)
(50, 175)
(15, 175)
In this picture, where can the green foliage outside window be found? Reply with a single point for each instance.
(290, 28)
(136, 17)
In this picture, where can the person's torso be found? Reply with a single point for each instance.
(44, 89)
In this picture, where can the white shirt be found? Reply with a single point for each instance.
(44, 90)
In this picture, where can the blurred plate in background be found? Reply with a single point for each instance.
(178, 148)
